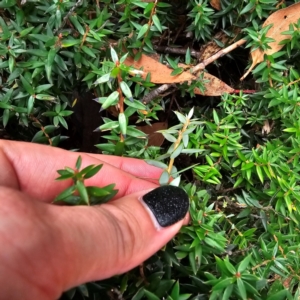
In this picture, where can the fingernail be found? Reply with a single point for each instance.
(169, 204)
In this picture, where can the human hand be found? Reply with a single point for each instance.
(47, 249)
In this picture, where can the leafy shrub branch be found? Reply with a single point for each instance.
(235, 153)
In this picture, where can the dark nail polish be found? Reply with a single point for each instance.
(169, 204)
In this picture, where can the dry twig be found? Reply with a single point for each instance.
(201, 66)
(173, 50)
(77, 4)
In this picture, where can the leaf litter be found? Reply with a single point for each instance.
(281, 21)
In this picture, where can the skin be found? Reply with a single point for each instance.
(47, 249)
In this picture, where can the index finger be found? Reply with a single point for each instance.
(32, 168)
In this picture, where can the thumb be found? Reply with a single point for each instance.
(112, 238)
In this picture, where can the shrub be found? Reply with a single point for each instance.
(238, 153)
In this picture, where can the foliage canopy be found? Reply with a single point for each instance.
(238, 154)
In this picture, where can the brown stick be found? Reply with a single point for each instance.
(173, 50)
(157, 92)
(219, 54)
(77, 4)
(201, 66)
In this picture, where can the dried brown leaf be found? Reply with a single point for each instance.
(214, 86)
(215, 4)
(281, 21)
(162, 74)
(155, 138)
(159, 73)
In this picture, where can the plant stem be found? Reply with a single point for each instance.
(42, 129)
(150, 22)
(177, 143)
(121, 97)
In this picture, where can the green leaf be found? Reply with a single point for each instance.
(69, 43)
(45, 97)
(102, 79)
(157, 23)
(49, 63)
(292, 129)
(247, 166)
(66, 193)
(192, 151)
(214, 244)
(184, 296)
(123, 58)
(229, 266)
(247, 8)
(48, 69)
(175, 291)
(51, 56)
(185, 140)
(11, 64)
(66, 113)
(236, 163)
(3, 25)
(227, 292)
(123, 123)
(180, 117)
(216, 117)
(85, 170)
(241, 289)
(164, 178)
(119, 149)
(92, 172)
(150, 296)
(64, 175)
(82, 192)
(88, 77)
(7, 3)
(188, 56)
(177, 151)
(49, 128)
(5, 105)
(222, 284)
(139, 294)
(131, 131)
(77, 25)
(244, 264)
(137, 56)
(259, 173)
(37, 52)
(78, 59)
(88, 51)
(62, 121)
(177, 71)
(43, 87)
(27, 86)
(143, 30)
(126, 90)
(176, 181)
(97, 192)
(157, 164)
(169, 137)
(135, 104)
(110, 100)
(209, 160)
(78, 162)
(281, 295)
(30, 104)
(114, 55)
(5, 117)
